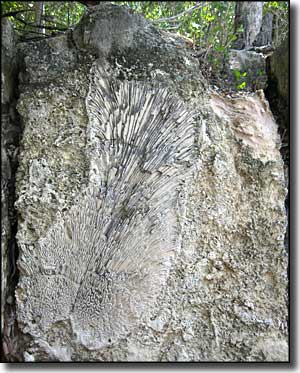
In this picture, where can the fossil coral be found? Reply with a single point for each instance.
(103, 265)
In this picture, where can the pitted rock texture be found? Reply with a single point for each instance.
(151, 217)
(10, 134)
(105, 261)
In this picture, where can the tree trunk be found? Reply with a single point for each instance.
(238, 16)
(265, 35)
(276, 28)
(249, 15)
(39, 10)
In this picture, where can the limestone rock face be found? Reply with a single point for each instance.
(278, 93)
(9, 141)
(249, 67)
(151, 209)
(279, 69)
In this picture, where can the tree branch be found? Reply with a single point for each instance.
(13, 14)
(39, 26)
(30, 32)
(190, 10)
(36, 38)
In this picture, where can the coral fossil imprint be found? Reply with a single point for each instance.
(104, 264)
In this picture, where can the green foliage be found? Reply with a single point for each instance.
(209, 24)
(260, 72)
(57, 16)
(240, 78)
(242, 85)
(237, 74)
(280, 11)
(272, 4)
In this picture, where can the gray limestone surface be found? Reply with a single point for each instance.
(151, 209)
(248, 67)
(279, 69)
(10, 132)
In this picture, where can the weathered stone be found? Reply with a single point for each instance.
(9, 142)
(114, 29)
(151, 209)
(249, 67)
(277, 93)
(279, 69)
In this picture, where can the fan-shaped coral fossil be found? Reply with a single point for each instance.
(104, 264)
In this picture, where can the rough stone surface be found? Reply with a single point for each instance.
(249, 63)
(9, 141)
(151, 209)
(277, 92)
(279, 69)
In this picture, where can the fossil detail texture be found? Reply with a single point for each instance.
(103, 264)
